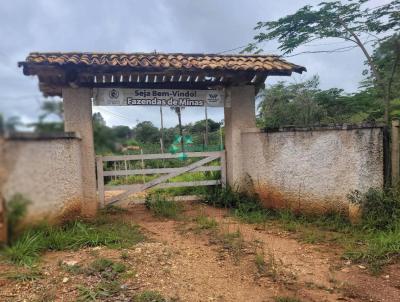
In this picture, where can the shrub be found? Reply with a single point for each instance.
(380, 209)
(17, 208)
(246, 206)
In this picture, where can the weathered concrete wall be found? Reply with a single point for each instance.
(312, 169)
(78, 118)
(239, 115)
(45, 170)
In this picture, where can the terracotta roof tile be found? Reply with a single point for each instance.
(261, 63)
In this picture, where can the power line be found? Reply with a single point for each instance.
(341, 49)
(117, 115)
(233, 49)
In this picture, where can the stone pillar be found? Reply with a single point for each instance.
(239, 114)
(78, 118)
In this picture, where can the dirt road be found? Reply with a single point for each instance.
(189, 261)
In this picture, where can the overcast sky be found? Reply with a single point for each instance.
(205, 26)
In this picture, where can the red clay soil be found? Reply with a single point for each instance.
(185, 263)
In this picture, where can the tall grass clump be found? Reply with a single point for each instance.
(245, 206)
(16, 210)
(31, 243)
(161, 206)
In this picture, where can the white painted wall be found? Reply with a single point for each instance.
(45, 171)
(312, 169)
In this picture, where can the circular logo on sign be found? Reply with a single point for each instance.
(114, 93)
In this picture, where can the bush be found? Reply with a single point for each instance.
(245, 206)
(380, 209)
(162, 207)
(17, 208)
(231, 197)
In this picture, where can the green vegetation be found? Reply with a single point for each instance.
(107, 271)
(206, 223)
(161, 206)
(73, 235)
(380, 209)
(348, 22)
(30, 274)
(149, 296)
(260, 263)
(286, 299)
(305, 104)
(107, 268)
(234, 243)
(375, 240)
(16, 209)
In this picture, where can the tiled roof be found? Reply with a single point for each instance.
(258, 63)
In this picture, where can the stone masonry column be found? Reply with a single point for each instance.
(240, 115)
(78, 118)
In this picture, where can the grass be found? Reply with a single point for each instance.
(375, 241)
(105, 231)
(260, 263)
(161, 206)
(86, 294)
(27, 275)
(149, 296)
(109, 273)
(105, 268)
(286, 299)
(233, 243)
(206, 223)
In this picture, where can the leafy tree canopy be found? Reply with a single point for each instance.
(351, 21)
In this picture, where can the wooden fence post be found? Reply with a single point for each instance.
(100, 180)
(395, 154)
(223, 169)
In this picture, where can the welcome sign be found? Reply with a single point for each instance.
(158, 97)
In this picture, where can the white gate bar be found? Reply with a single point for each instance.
(158, 156)
(158, 171)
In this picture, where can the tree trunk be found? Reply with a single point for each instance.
(378, 79)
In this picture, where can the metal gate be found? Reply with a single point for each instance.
(104, 169)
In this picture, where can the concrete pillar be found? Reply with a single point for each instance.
(239, 115)
(395, 154)
(78, 118)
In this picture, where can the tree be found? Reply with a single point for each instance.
(146, 132)
(1, 125)
(199, 126)
(12, 123)
(121, 132)
(291, 104)
(52, 107)
(102, 135)
(352, 22)
(305, 104)
(387, 59)
(48, 108)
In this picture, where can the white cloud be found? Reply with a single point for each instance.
(143, 26)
